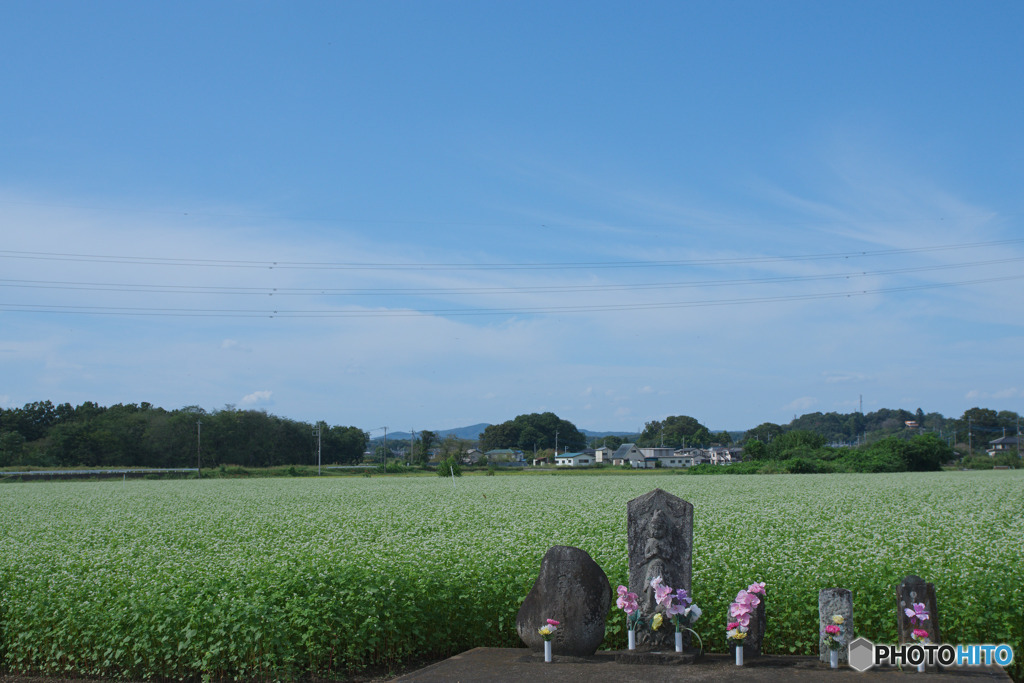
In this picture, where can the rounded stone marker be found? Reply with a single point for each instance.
(572, 589)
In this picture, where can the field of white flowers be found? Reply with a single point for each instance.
(299, 577)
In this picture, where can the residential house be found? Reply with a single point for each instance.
(719, 455)
(574, 459)
(472, 456)
(503, 455)
(603, 454)
(1004, 445)
(629, 454)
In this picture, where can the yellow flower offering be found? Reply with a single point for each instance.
(656, 622)
(837, 619)
(545, 630)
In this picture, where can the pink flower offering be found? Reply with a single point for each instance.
(757, 588)
(663, 596)
(920, 633)
(832, 629)
(748, 598)
(919, 612)
(627, 602)
(554, 623)
(732, 625)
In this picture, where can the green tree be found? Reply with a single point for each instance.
(755, 450)
(764, 432)
(533, 430)
(504, 435)
(795, 444)
(12, 448)
(675, 431)
(453, 447)
(449, 466)
(614, 442)
(423, 446)
(344, 445)
(978, 426)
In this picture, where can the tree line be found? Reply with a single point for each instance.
(974, 429)
(141, 435)
(42, 434)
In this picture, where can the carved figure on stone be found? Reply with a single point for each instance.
(657, 552)
(660, 543)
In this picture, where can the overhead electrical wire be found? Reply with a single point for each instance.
(351, 313)
(533, 289)
(559, 265)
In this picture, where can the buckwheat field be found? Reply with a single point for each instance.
(290, 578)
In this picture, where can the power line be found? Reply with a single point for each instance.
(542, 289)
(341, 312)
(560, 265)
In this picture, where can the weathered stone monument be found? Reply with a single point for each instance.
(572, 589)
(660, 543)
(915, 590)
(833, 601)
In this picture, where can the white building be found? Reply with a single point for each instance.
(574, 459)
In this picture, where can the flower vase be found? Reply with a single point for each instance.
(739, 655)
(679, 641)
(920, 668)
(833, 658)
(632, 639)
(547, 650)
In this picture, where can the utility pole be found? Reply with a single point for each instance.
(199, 448)
(970, 448)
(384, 464)
(556, 443)
(316, 430)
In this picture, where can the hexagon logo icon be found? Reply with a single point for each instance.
(861, 654)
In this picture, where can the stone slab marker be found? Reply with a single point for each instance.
(755, 631)
(832, 601)
(660, 542)
(573, 589)
(914, 589)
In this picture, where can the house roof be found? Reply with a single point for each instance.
(574, 455)
(1008, 440)
(624, 450)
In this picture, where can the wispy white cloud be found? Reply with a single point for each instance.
(1011, 392)
(802, 403)
(255, 397)
(834, 377)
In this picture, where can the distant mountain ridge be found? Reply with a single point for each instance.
(471, 432)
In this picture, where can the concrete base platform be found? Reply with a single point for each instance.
(519, 664)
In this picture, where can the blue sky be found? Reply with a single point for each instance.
(427, 215)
